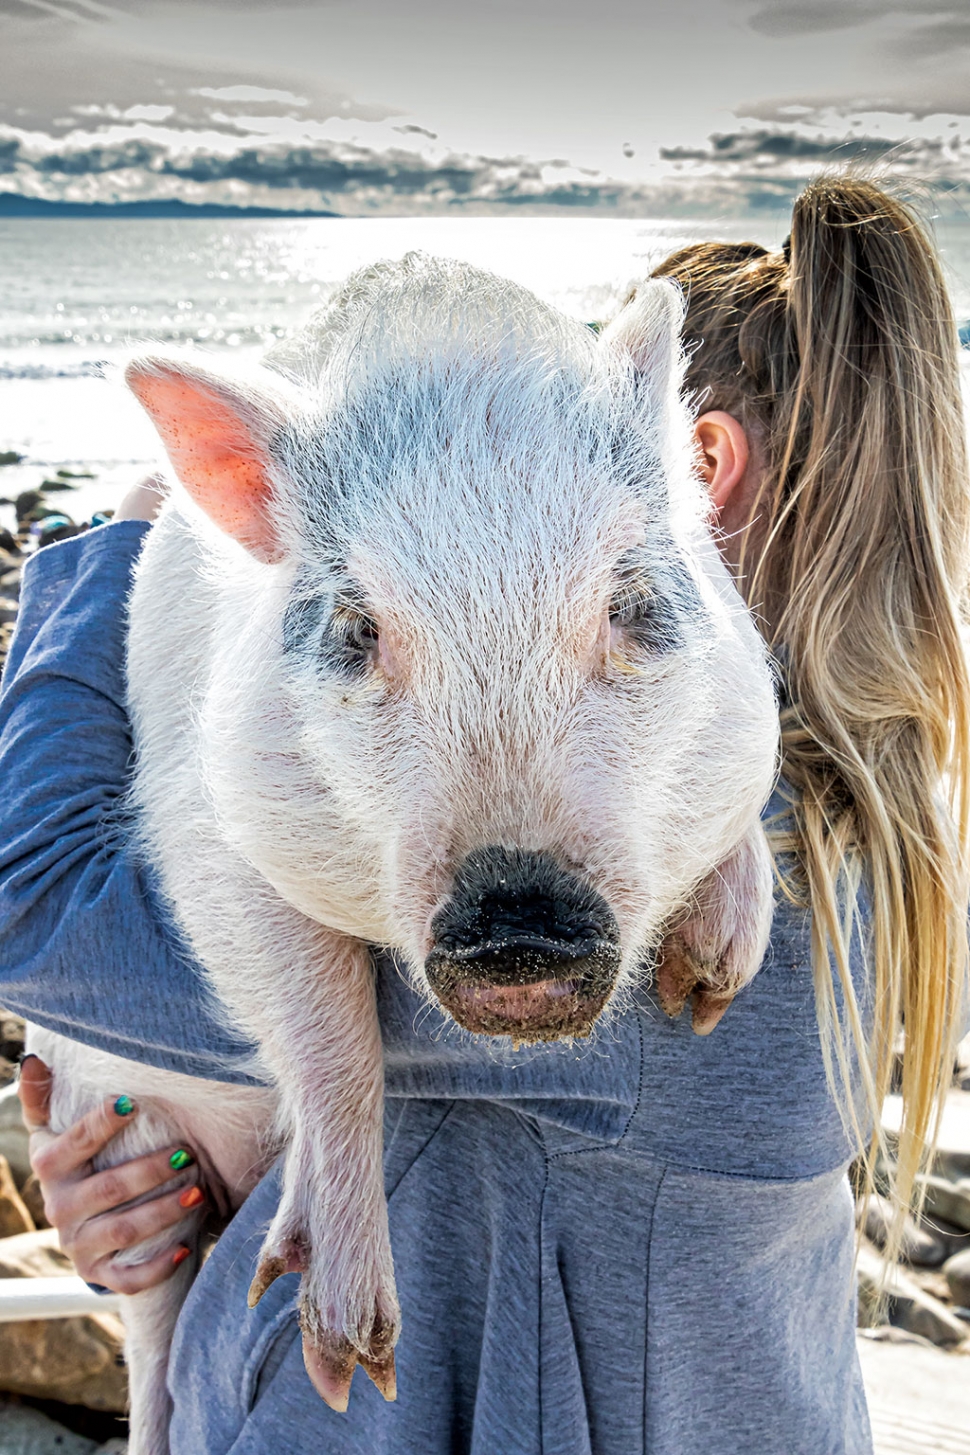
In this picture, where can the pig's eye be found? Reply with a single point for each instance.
(352, 639)
(644, 619)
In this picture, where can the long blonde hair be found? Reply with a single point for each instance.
(839, 356)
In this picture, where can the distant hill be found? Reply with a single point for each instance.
(12, 204)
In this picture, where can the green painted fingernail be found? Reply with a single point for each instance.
(180, 1159)
(124, 1106)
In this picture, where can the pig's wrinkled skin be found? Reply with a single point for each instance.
(432, 649)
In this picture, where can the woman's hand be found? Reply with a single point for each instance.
(89, 1209)
(143, 501)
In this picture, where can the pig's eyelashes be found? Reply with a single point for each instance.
(642, 618)
(338, 633)
(352, 639)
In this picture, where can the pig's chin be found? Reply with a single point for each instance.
(538, 1002)
(548, 1010)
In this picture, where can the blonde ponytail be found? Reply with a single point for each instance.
(840, 357)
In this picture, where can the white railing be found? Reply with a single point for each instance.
(51, 1298)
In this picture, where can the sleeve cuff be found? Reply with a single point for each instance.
(63, 560)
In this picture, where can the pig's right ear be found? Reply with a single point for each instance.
(217, 434)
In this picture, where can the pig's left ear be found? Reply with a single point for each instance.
(217, 434)
(648, 330)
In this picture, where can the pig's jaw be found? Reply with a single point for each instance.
(547, 1010)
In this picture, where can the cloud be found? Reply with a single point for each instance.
(129, 163)
(294, 164)
(924, 29)
(780, 146)
(249, 93)
(411, 130)
(817, 17)
(942, 38)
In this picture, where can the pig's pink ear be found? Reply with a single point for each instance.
(217, 434)
(719, 947)
(648, 330)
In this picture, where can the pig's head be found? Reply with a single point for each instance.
(491, 698)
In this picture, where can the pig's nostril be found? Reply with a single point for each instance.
(504, 896)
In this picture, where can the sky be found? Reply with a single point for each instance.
(367, 107)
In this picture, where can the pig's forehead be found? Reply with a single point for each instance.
(571, 480)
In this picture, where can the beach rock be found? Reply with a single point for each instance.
(14, 1215)
(921, 1245)
(12, 1033)
(25, 1431)
(10, 457)
(78, 1360)
(34, 1255)
(11, 1044)
(13, 1135)
(908, 1306)
(949, 1200)
(33, 1200)
(27, 503)
(957, 1273)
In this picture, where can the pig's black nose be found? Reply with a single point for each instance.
(517, 917)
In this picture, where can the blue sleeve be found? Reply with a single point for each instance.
(86, 947)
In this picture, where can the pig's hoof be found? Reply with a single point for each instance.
(291, 1260)
(679, 978)
(707, 1010)
(331, 1359)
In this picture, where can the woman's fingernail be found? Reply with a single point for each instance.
(29, 1056)
(180, 1255)
(124, 1106)
(181, 1159)
(191, 1197)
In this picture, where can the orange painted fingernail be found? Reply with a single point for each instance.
(180, 1255)
(191, 1197)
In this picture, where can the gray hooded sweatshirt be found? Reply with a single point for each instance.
(637, 1245)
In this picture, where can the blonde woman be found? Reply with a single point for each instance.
(833, 441)
(649, 1245)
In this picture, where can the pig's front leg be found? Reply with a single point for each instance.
(307, 993)
(719, 946)
(325, 1048)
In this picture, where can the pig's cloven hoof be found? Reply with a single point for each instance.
(331, 1358)
(330, 1361)
(678, 978)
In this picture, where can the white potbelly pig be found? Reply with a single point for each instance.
(432, 649)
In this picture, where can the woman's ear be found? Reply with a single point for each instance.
(723, 453)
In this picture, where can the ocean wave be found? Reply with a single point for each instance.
(84, 369)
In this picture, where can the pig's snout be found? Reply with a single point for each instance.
(523, 947)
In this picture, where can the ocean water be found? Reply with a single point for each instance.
(78, 295)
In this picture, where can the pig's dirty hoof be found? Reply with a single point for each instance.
(383, 1374)
(675, 976)
(268, 1271)
(678, 978)
(331, 1359)
(331, 1370)
(330, 1362)
(291, 1260)
(707, 1010)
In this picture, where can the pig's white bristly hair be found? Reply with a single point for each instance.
(478, 463)
(475, 466)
